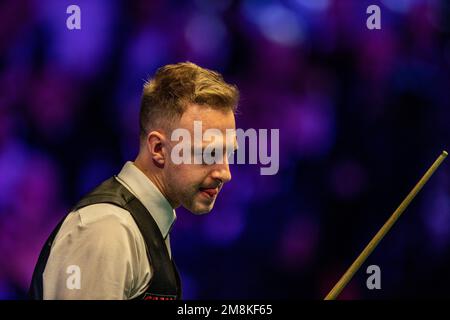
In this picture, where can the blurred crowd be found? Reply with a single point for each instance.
(362, 114)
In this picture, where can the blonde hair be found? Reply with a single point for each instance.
(174, 86)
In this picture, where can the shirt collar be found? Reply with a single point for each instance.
(150, 196)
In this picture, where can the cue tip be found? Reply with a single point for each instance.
(444, 153)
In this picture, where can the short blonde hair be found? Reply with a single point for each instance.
(174, 86)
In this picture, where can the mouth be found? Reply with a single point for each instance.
(210, 193)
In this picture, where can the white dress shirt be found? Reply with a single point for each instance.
(99, 252)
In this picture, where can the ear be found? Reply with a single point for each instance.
(156, 146)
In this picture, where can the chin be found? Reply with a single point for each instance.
(200, 210)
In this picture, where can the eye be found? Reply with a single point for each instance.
(198, 156)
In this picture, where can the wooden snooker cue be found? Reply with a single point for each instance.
(348, 275)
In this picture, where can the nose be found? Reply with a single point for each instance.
(222, 172)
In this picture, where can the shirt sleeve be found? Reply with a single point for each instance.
(98, 253)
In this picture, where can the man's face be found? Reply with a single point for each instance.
(195, 186)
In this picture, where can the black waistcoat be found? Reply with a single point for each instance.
(165, 282)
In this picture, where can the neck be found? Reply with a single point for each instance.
(154, 177)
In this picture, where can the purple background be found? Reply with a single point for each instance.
(362, 114)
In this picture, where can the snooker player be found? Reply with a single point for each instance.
(115, 242)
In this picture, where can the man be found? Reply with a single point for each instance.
(115, 243)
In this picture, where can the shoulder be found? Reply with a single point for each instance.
(100, 221)
(104, 213)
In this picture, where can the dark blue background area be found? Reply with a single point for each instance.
(362, 114)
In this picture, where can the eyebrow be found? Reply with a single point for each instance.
(236, 147)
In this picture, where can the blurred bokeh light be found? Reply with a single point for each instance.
(361, 115)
